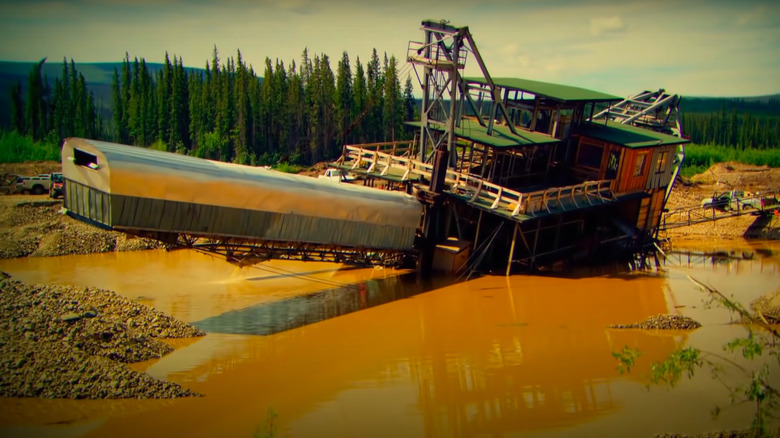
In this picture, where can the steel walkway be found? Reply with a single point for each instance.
(696, 214)
(392, 162)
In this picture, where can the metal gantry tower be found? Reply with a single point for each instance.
(438, 62)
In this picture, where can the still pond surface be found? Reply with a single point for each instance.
(324, 350)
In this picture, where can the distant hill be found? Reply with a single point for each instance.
(98, 76)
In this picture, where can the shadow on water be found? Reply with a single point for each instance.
(291, 313)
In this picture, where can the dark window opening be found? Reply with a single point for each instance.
(590, 156)
(85, 159)
(639, 166)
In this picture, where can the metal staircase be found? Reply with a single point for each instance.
(656, 110)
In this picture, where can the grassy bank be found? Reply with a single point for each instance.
(699, 158)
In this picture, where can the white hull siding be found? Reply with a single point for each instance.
(136, 189)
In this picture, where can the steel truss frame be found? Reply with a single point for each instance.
(244, 252)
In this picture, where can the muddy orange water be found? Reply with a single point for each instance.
(317, 349)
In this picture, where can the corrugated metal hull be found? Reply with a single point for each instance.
(127, 213)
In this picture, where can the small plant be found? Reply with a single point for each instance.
(268, 428)
(758, 388)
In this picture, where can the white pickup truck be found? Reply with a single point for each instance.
(336, 176)
(37, 185)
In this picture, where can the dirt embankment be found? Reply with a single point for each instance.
(720, 178)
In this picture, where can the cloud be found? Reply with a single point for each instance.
(751, 16)
(606, 25)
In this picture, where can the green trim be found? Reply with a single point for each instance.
(628, 135)
(564, 93)
(502, 137)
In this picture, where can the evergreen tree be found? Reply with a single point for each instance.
(117, 118)
(195, 107)
(17, 107)
(344, 98)
(37, 100)
(393, 114)
(375, 85)
(296, 101)
(410, 106)
(124, 128)
(360, 102)
(164, 94)
(243, 113)
(178, 110)
(281, 120)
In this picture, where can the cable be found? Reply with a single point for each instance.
(290, 273)
(481, 250)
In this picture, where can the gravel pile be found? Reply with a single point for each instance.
(69, 342)
(32, 226)
(662, 322)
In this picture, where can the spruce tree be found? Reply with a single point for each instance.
(35, 110)
(17, 107)
(344, 98)
(360, 103)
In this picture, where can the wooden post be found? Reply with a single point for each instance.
(511, 250)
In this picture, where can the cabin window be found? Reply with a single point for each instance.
(612, 165)
(661, 164)
(81, 158)
(639, 166)
(590, 155)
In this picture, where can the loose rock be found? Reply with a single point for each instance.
(79, 354)
(662, 322)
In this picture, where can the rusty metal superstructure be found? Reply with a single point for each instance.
(524, 171)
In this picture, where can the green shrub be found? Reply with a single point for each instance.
(700, 157)
(288, 168)
(17, 148)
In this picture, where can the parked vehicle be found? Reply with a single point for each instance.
(336, 176)
(8, 183)
(57, 187)
(739, 200)
(37, 185)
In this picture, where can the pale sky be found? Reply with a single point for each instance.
(691, 47)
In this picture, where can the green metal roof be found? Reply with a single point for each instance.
(564, 93)
(502, 137)
(628, 135)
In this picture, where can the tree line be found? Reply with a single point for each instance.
(300, 113)
(49, 115)
(733, 128)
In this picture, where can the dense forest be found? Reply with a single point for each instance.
(733, 125)
(300, 113)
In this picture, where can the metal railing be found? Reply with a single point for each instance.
(696, 214)
(375, 160)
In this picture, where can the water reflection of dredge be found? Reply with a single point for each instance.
(508, 173)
